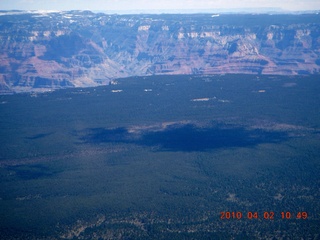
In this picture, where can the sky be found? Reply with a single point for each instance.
(159, 5)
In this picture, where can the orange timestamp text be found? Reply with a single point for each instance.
(263, 215)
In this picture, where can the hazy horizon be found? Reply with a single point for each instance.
(163, 6)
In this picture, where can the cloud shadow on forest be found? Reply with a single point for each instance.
(187, 137)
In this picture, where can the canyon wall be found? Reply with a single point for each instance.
(49, 50)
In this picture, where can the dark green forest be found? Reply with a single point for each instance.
(163, 157)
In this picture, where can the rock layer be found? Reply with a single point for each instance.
(49, 50)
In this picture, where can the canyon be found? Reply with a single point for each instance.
(47, 50)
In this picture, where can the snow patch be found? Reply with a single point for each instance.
(200, 99)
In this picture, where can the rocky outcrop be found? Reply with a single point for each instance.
(48, 50)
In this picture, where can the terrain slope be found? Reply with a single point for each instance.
(49, 50)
